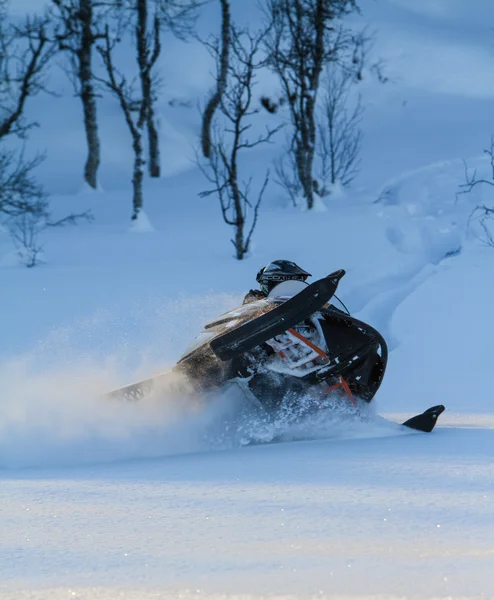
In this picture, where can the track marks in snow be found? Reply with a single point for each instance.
(380, 309)
(423, 223)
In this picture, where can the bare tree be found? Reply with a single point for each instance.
(221, 80)
(179, 16)
(20, 193)
(338, 126)
(148, 46)
(285, 169)
(230, 138)
(149, 19)
(471, 179)
(24, 53)
(482, 214)
(76, 31)
(25, 207)
(135, 110)
(307, 35)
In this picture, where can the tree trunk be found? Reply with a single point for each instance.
(310, 118)
(239, 241)
(154, 144)
(304, 157)
(239, 220)
(93, 144)
(237, 197)
(138, 175)
(310, 178)
(221, 81)
(146, 62)
(88, 97)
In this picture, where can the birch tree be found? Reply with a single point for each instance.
(134, 108)
(232, 136)
(77, 31)
(306, 36)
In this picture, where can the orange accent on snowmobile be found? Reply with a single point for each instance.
(309, 343)
(342, 383)
(348, 391)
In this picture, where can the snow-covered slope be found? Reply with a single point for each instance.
(394, 517)
(150, 501)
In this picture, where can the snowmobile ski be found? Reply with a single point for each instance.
(138, 390)
(427, 420)
(278, 320)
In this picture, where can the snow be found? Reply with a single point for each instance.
(166, 499)
(141, 224)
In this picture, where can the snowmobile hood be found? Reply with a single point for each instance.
(230, 320)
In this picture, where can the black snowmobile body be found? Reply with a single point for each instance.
(299, 346)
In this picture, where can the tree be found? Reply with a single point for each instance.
(149, 19)
(338, 127)
(24, 53)
(230, 137)
(221, 80)
(306, 36)
(483, 214)
(76, 32)
(20, 193)
(135, 109)
(148, 51)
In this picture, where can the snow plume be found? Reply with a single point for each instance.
(244, 423)
(62, 418)
(53, 409)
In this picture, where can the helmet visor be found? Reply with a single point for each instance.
(271, 280)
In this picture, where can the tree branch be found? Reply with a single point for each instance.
(31, 63)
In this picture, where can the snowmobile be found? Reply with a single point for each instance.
(292, 345)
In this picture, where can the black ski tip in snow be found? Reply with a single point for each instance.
(427, 420)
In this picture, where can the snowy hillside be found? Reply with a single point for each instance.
(146, 501)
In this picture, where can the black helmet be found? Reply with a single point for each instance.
(278, 271)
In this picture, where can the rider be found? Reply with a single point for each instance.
(273, 274)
